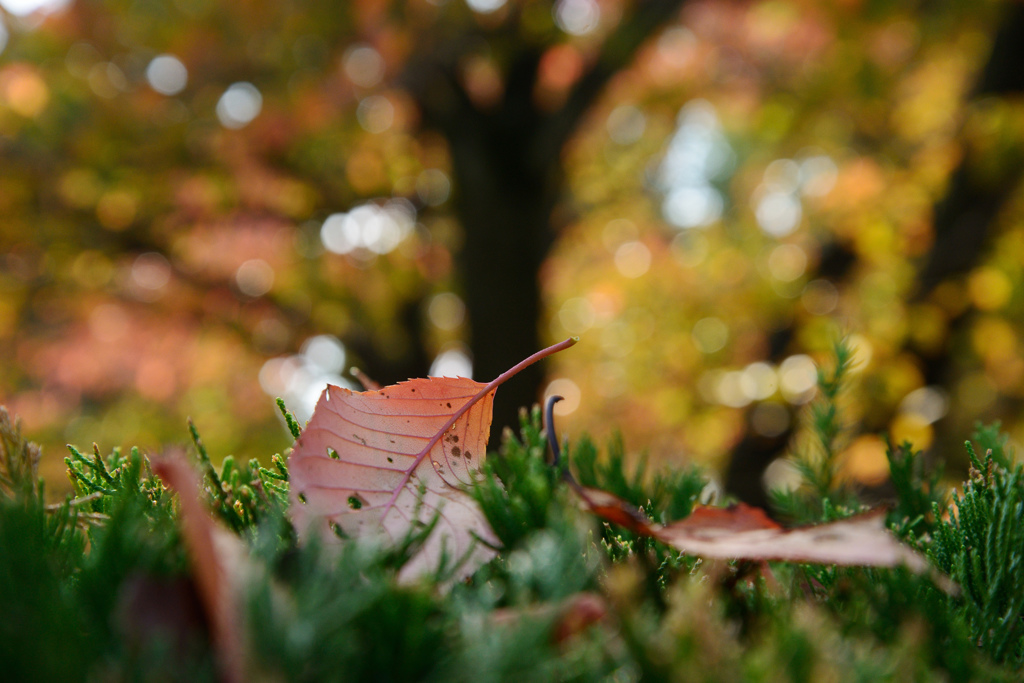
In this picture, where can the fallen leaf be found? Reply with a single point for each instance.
(744, 532)
(390, 460)
(218, 563)
(613, 509)
(737, 517)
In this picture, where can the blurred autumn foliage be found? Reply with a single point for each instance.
(204, 205)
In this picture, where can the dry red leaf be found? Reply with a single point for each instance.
(613, 509)
(737, 517)
(743, 532)
(386, 461)
(217, 557)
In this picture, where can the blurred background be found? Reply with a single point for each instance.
(206, 205)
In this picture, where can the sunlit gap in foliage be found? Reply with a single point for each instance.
(577, 17)
(632, 258)
(167, 75)
(453, 361)
(480, 6)
(150, 275)
(446, 311)
(363, 65)
(697, 155)
(917, 412)
(777, 200)
(568, 390)
(300, 378)
(375, 113)
(239, 105)
(793, 382)
(23, 8)
(369, 229)
(626, 124)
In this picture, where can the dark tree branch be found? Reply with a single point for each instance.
(507, 166)
(617, 53)
(963, 221)
(965, 216)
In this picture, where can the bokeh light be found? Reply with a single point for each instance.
(446, 311)
(254, 277)
(698, 154)
(453, 361)
(577, 17)
(798, 376)
(570, 393)
(167, 75)
(626, 124)
(485, 6)
(21, 8)
(300, 378)
(433, 186)
(633, 259)
(364, 66)
(372, 227)
(239, 105)
(183, 212)
(710, 334)
(375, 113)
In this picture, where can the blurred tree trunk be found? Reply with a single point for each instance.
(505, 208)
(508, 173)
(964, 217)
(962, 224)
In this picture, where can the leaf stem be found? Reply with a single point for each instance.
(549, 427)
(491, 386)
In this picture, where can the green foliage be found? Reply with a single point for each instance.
(974, 538)
(918, 492)
(980, 544)
(104, 575)
(820, 497)
(102, 482)
(19, 458)
(107, 574)
(293, 425)
(520, 490)
(344, 619)
(236, 491)
(665, 496)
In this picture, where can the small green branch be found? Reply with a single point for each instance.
(289, 418)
